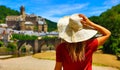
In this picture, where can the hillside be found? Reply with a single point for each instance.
(111, 20)
(52, 26)
(5, 11)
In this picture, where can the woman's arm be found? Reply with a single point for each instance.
(105, 32)
(58, 66)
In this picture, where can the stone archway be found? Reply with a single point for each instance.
(27, 42)
(38, 44)
(26, 49)
(53, 42)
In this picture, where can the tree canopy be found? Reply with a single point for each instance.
(52, 26)
(5, 11)
(23, 37)
(111, 20)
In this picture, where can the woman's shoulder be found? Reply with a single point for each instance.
(92, 41)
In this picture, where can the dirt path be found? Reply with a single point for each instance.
(30, 63)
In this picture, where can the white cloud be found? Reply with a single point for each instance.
(95, 13)
(98, 10)
(61, 10)
(111, 2)
(106, 5)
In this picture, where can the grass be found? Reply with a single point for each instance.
(49, 55)
(99, 59)
(106, 60)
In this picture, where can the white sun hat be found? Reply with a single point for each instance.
(71, 29)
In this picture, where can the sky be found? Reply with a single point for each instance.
(56, 9)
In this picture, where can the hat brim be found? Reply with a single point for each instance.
(82, 35)
(71, 36)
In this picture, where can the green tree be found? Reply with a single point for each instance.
(12, 47)
(23, 37)
(5, 11)
(111, 20)
(1, 43)
(52, 26)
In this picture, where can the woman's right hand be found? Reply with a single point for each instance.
(105, 32)
(85, 20)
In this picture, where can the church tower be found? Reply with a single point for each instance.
(22, 12)
(23, 16)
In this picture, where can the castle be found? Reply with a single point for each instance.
(26, 22)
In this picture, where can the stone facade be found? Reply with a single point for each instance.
(26, 22)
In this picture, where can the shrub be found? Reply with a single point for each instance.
(12, 47)
(1, 43)
(3, 49)
(48, 38)
(23, 37)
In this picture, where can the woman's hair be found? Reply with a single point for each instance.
(76, 51)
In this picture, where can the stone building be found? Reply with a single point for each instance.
(26, 22)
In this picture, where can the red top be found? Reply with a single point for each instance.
(62, 55)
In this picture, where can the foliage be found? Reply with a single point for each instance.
(4, 11)
(23, 37)
(12, 47)
(52, 26)
(1, 43)
(111, 20)
(23, 49)
(3, 49)
(48, 38)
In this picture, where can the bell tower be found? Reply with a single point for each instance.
(23, 16)
(22, 12)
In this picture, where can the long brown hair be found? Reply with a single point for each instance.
(76, 51)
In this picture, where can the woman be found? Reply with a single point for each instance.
(78, 33)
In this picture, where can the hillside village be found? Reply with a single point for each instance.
(24, 24)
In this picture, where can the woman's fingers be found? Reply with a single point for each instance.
(84, 17)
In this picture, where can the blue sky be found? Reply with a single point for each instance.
(55, 9)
